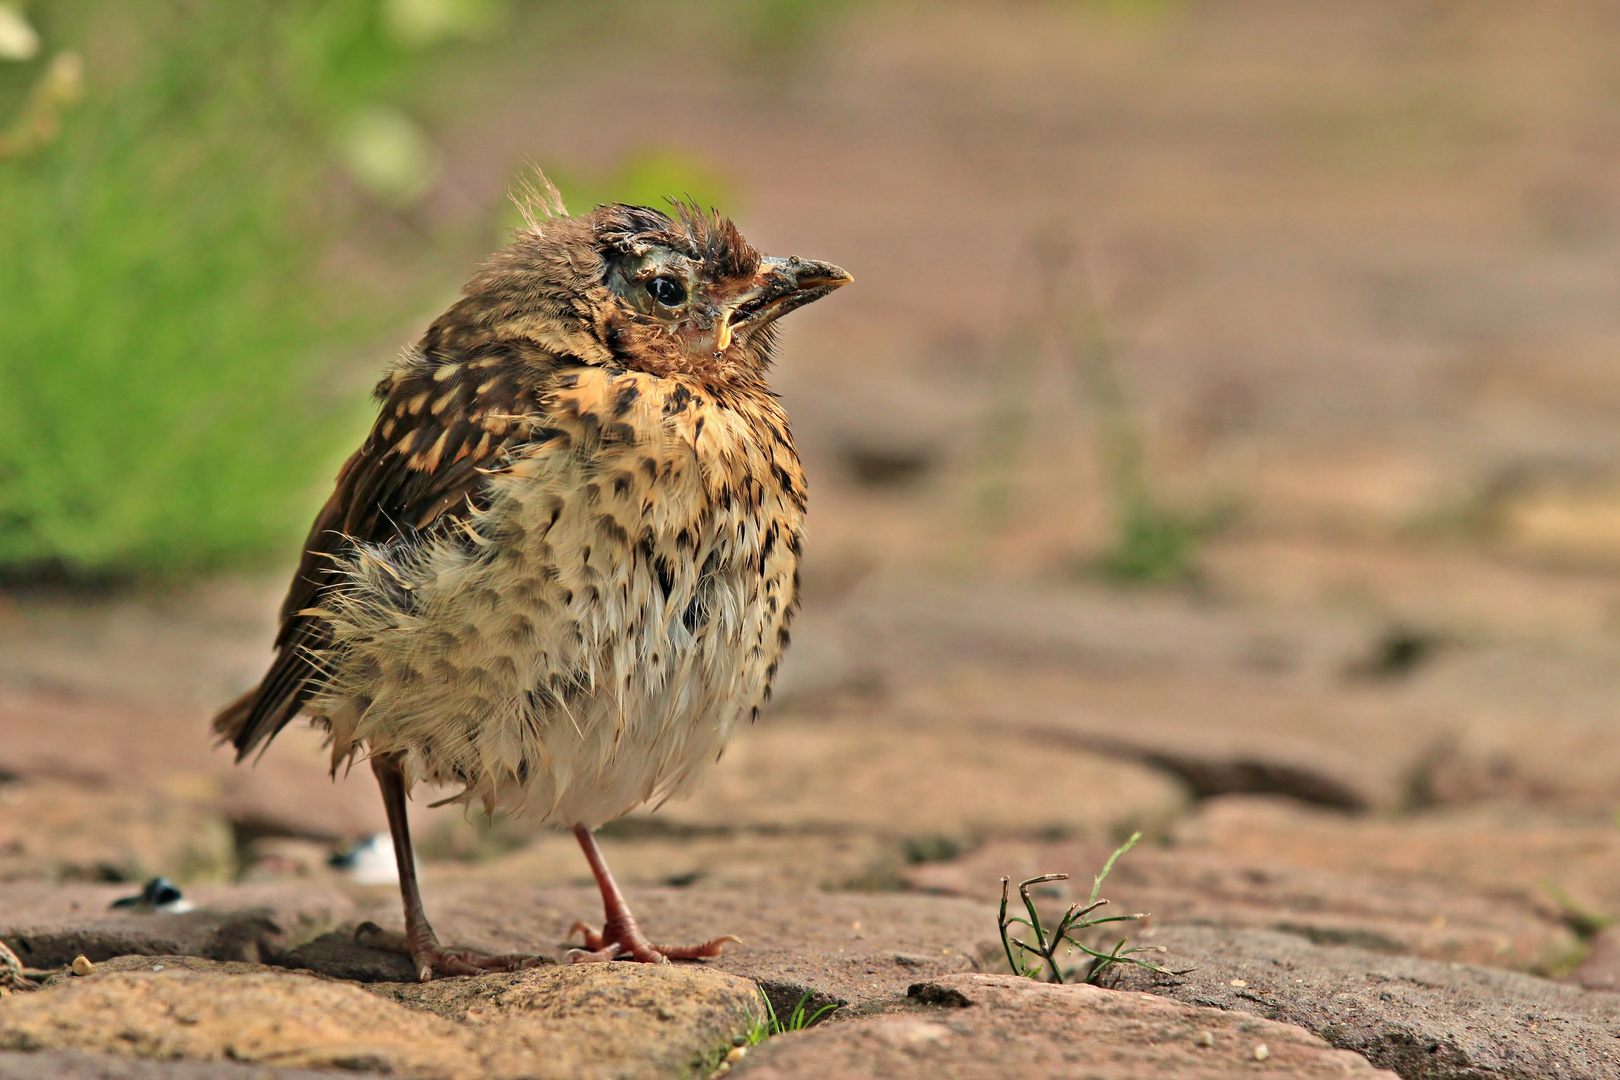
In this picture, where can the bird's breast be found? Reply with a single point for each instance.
(597, 630)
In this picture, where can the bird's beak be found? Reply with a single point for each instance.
(785, 284)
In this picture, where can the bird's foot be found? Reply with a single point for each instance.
(622, 939)
(432, 959)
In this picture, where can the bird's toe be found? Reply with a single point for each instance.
(707, 950)
(595, 956)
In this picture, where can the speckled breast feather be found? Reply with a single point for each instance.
(613, 598)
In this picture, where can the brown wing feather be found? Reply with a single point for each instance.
(444, 422)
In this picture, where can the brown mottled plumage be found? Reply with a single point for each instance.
(562, 566)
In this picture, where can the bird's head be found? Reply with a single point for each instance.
(638, 288)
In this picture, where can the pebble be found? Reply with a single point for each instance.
(1261, 1053)
(82, 965)
(734, 1055)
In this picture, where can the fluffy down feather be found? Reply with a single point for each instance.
(588, 639)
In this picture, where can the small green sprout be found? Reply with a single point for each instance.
(767, 1024)
(1587, 922)
(1075, 920)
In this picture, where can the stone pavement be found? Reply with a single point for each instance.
(1369, 864)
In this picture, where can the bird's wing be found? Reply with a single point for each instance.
(444, 423)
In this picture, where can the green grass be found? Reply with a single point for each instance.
(646, 177)
(1031, 958)
(767, 1023)
(1156, 546)
(165, 314)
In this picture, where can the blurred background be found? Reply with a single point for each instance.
(1228, 402)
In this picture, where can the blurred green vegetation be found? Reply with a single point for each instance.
(1152, 543)
(182, 185)
(163, 310)
(646, 177)
(1059, 316)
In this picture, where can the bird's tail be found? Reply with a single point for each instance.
(233, 718)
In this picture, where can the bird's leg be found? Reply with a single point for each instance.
(620, 936)
(420, 943)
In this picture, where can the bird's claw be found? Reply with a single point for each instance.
(624, 939)
(432, 959)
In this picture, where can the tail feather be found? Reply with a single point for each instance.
(233, 718)
(245, 722)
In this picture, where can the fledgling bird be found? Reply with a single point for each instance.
(560, 570)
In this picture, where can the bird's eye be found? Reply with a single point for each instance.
(666, 290)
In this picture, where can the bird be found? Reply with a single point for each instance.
(559, 572)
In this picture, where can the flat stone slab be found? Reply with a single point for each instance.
(1287, 697)
(590, 1020)
(938, 781)
(1372, 910)
(108, 739)
(1502, 851)
(48, 926)
(748, 860)
(993, 1026)
(1601, 968)
(56, 831)
(162, 1010)
(834, 947)
(1423, 1019)
(1233, 699)
(846, 947)
(72, 1065)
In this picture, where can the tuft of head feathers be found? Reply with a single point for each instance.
(701, 235)
(537, 199)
